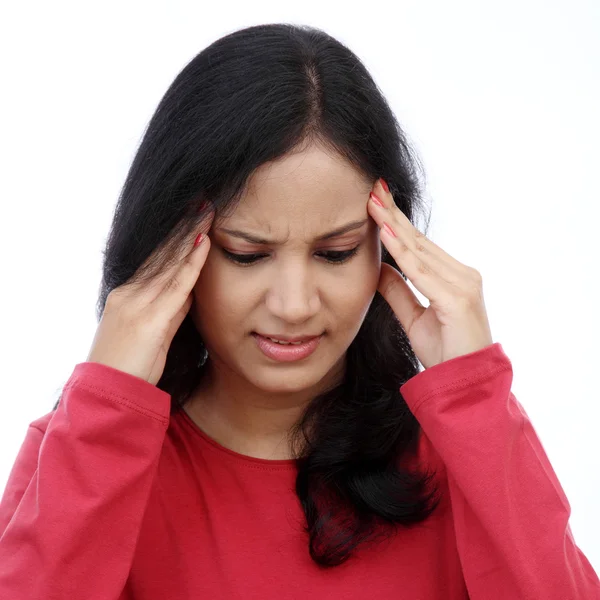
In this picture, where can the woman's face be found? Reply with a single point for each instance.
(296, 281)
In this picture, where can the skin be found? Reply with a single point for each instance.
(248, 402)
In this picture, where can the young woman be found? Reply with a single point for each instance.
(251, 420)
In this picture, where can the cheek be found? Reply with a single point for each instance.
(221, 296)
(370, 266)
(351, 297)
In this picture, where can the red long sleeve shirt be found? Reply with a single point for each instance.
(111, 498)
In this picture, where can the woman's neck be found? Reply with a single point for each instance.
(245, 419)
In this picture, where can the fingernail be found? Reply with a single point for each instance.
(389, 230)
(203, 206)
(377, 200)
(384, 185)
(198, 240)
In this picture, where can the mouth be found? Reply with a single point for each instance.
(286, 339)
(286, 348)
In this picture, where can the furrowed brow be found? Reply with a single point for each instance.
(253, 239)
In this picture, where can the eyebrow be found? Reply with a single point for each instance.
(253, 239)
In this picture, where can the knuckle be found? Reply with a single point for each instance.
(476, 288)
(114, 299)
(123, 307)
(173, 284)
(419, 247)
(423, 268)
(403, 247)
(476, 276)
(472, 293)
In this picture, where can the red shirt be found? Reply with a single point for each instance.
(111, 498)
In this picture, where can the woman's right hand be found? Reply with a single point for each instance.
(139, 323)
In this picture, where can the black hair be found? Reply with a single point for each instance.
(250, 97)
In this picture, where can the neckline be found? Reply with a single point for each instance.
(281, 463)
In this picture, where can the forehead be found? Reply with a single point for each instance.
(309, 190)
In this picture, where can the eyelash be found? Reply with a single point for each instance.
(335, 257)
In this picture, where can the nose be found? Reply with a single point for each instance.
(293, 295)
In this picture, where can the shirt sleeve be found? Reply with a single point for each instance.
(510, 512)
(73, 505)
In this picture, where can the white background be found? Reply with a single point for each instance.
(500, 99)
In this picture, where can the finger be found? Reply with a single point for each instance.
(178, 289)
(425, 271)
(399, 296)
(177, 320)
(424, 274)
(185, 250)
(403, 227)
(415, 254)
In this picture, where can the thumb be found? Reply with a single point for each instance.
(399, 296)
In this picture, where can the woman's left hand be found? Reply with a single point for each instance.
(455, 322)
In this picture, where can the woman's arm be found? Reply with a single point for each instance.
(73, 505)
(510, 512)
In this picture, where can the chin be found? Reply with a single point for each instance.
(286, 381)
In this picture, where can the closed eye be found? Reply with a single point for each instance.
(331, 256)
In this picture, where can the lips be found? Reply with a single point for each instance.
(287, 338)
(295, 349)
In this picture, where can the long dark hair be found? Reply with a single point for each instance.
(248, 98)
